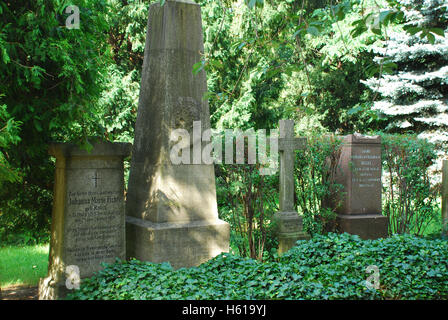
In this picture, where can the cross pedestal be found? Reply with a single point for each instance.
(290, 225)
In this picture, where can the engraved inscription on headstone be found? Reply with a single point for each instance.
(359, 173)
(88, 223)
(94, 217)
(367, 170)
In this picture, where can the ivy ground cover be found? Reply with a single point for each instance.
(334, 266)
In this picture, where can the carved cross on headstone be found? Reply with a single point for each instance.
(289, 223)
(95, 178)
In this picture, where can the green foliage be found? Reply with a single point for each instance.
(265, 60)
(291, 59)
(326, 267)
(9, 136)
(412, 96)
(248, 201)
(61, 85)
(23, 265)
(127, 23)
(410, 200)
(315, 171)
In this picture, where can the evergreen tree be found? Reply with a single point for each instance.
(414, 97)
(51, 77)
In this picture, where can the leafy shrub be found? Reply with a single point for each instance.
(52, 77)
(248, 201)
(9, 136)
(410, 201)
(326, 267)
(315, 182)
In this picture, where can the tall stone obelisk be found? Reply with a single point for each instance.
(171, 210)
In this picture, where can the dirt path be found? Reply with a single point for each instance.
(19, 293)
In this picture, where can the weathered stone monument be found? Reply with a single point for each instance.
(171, 210)
(290, 224)
(359, 172)
(88, 222)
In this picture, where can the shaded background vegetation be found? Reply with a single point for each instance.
(265, 60)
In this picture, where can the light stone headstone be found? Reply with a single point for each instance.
(171, 209)
(88, 220)
(359, 173)
(290, 224)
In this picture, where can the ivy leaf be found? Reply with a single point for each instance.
(198, 66)
(431, 38)
(37, 125)
(312, 31)
(438, 31)
(412, 30)
(252, 3)
(376, 31)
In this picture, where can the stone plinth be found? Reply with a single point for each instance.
(88, 221)
(289, 230)
(359, 172)
(171, 209)
(180, 244)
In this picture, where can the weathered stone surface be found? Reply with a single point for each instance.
(88, 222)
(289, 223)
(180, 244)
(289, 230)
(160, 193)
(359, 172)
(367, 226)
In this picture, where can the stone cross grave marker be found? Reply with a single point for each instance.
(290, 225)
(88, 222)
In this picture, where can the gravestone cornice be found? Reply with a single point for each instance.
(100, 149)
(357, 138)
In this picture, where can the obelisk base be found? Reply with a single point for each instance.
(180, 244)
(367, 226)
